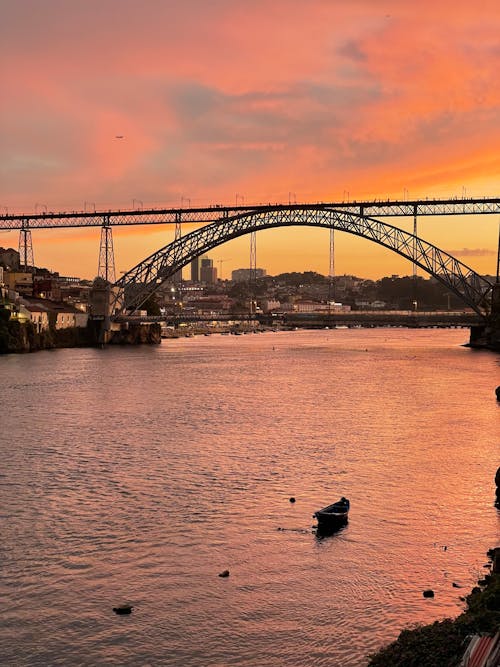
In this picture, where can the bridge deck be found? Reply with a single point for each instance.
(201, 215)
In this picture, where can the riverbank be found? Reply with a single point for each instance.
(17, 337)
(443, 643)
(23, 337)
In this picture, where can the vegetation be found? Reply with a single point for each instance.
(13, 334)
(443, 643)
(396, 292)
(23, 337)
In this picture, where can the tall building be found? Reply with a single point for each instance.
(195, 270)
(208, 272)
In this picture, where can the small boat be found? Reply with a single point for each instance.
(335, 514)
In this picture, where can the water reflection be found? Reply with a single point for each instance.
(137, 475)
(322, 531)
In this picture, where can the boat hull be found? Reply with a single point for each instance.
(328, 519)
(333, 515)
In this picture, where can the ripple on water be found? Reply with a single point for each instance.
(143, 491)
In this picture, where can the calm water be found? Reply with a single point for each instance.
(137, 475)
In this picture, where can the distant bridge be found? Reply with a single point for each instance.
(144, 279)
(354, 318)
(223, 223)
(402, 318)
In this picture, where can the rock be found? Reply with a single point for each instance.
(456, 585)
(497, 478)
(494, 554)
(225, 573)
(491, 553)
(292, 499)
(429, 593)
(497, 392)
(123, 609)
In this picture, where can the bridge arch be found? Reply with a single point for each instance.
(145, 278)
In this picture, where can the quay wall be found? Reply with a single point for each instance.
(18, 337)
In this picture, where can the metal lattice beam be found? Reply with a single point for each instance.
(106, 269)
(145, 278)
(26, 249)
(207, 214)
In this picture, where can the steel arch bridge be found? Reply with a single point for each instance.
(138, 284)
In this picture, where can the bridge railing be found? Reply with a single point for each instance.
(213, 213)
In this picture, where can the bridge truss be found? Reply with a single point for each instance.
(223, 223)
(208, 214)
(144, 279)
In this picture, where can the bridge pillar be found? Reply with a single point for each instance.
(106, 268)
(101, 297)
(26, 248)
(488, 335)
(495, 301)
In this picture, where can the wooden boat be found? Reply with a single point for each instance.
(335, 514)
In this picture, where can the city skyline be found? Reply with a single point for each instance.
(117, 104)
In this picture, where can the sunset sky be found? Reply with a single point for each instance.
(255, 100)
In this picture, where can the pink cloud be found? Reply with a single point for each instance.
(213, 98)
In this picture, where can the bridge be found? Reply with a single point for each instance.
(357, 318)
(220, 224)
(204, 215)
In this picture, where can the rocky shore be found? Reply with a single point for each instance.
(443, 643)
(18, 337)
(23, 337)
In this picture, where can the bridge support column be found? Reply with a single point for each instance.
(495, 301)
(488, 335)
(106, 269)
(26, 248)
(252, 276)
(331, 271)
(414, 252)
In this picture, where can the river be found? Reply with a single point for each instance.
(137, 475)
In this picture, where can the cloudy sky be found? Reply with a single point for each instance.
(260, 100)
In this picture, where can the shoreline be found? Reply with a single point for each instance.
(17, 338)
(443, 643)
(23, 339)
